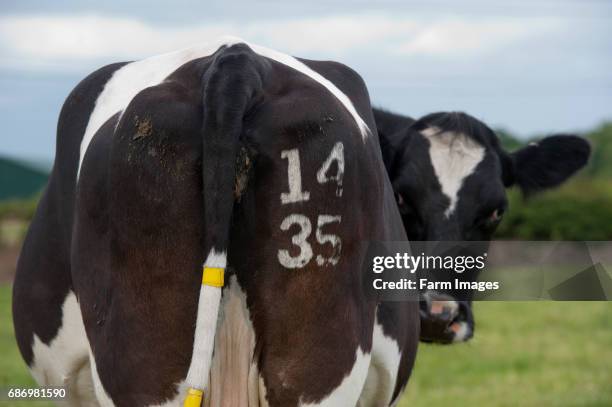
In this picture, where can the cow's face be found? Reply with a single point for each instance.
(449, 177)
(449, 183)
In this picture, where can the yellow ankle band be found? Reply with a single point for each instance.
(194, 398)
(213, 276)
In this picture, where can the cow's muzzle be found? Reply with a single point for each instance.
(445, 320)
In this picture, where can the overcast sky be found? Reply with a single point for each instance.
(531, 66)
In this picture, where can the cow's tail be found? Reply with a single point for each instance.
(230, 86)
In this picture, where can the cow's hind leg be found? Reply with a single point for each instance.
(64, 361)
(318, 357)
(321, 385)
(47, 317)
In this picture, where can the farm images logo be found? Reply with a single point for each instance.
(449, 263)
(497, 270)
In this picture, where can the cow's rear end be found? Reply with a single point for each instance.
(246, 153)
(313, 194)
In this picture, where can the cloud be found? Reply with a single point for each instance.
(456, 36)
(333, 34)
(61, 41)
(87, 37)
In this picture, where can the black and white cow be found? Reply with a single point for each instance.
(450, 174)
(241, 158)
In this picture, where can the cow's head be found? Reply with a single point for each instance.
(450, 176)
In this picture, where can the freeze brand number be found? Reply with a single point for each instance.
(297, 194)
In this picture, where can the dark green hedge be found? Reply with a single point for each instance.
(580, 210)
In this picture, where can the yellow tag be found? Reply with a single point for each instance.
(213, 276)
(194, 398)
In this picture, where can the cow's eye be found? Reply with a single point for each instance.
(496, 216)
(492, 218)
(405, 208)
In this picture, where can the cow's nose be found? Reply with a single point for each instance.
(445, 320)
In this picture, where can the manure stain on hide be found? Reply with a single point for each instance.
(144, 128)
(243, 166)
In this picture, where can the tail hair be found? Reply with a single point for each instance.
(230, 87)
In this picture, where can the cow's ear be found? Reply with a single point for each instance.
(546, 163)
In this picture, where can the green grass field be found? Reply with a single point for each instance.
(523, 354)
(13, 371)
(528, 354)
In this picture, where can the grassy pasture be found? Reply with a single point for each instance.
(524, 353)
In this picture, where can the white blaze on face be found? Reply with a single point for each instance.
(454, 157)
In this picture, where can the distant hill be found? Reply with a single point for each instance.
(19, 179)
